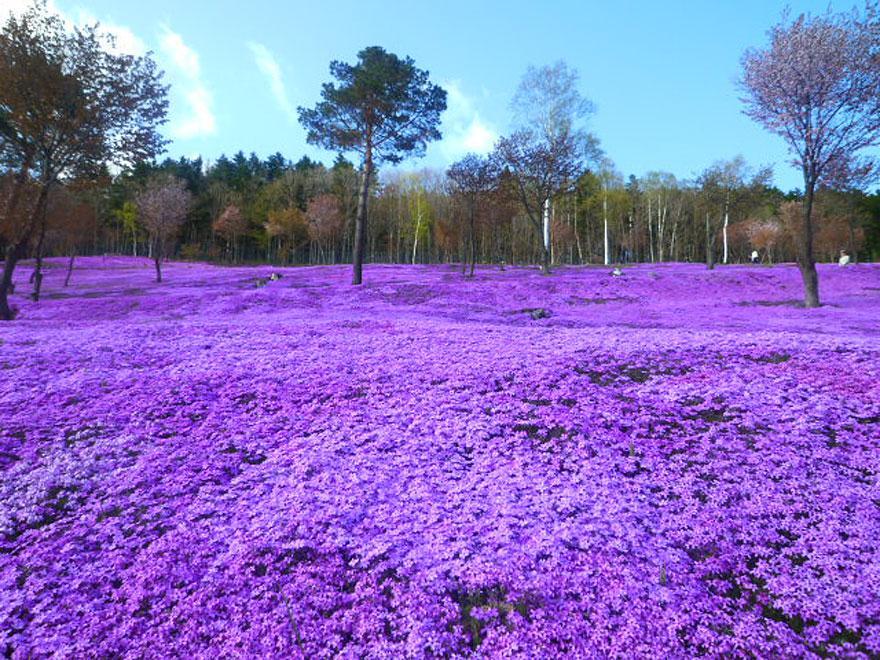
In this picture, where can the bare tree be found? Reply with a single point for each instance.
(163, 206)
(550, 148)
(473, 177)
(816, 86)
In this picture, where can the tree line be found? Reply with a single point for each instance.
(245, 209)
(71, 112)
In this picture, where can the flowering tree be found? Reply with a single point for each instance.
(325, 220)
(163, 206)
(231, 224)
(816, 86)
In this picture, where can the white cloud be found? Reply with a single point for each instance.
(269, 67)
(125, 42)
(463, 129)
(198, 119)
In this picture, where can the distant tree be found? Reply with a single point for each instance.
(72, 223)
(231, 224)
(816, 86)
(163, 206)
(68, 107)
(550, 149)
(473, 177)
(729, 187)
(289, 226)
(850, 178)
(325, 220)
(382, 108)
(764, 235)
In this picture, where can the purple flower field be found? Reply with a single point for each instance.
(675, 462)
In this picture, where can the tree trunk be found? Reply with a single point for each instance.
(158, 261)
(710, 254)
(69, 268)
(473, 239)
(360, 222)
(545, 261)
(724, 228)
(12, 254)
(37, 275)
(606, 244)
(806, 262)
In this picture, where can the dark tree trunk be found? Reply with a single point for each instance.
(38, 280)
(37, 275)
(360, 222)
(69, 268)
(12, 254)
(806, 263)
(158, 261)
(545, 260)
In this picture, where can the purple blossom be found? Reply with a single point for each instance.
(674, 462)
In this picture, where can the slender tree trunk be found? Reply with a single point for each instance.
(545, 261)
(577, 239)
(606, 243)
(157, 260)
(416, 237)
(710, 253)
(724, 228)
(806, 262)
(360, 221)
(473, 238)
(69, 268)
(37, 275)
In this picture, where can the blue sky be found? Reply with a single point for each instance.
(661, 74)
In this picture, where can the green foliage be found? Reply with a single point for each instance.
(382, 107)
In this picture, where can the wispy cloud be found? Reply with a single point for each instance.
(464, 131)
(198, 120)
(269, 67)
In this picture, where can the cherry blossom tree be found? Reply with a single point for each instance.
(163, 206)
(815, 85)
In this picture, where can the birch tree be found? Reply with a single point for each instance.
(550, 147)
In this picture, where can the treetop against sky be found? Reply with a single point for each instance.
(662, 77)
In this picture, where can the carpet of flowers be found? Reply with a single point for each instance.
(673, 462)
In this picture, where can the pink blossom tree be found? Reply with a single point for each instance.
(163, 206)
(816, 86)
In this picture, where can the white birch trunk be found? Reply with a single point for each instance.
(547, 225)
(605, 223)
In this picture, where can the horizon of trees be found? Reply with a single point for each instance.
(246, 209)
(546, 195)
